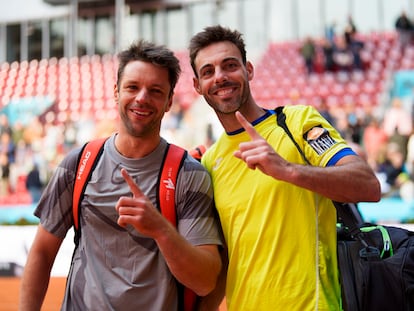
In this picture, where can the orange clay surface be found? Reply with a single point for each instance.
(9, 294)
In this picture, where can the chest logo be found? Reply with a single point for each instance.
(217, 164)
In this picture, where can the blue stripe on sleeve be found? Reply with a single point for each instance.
(339, 155)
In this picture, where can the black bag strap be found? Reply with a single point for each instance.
(347, 212)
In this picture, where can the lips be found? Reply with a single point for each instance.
(224, 92)
(224, 89)
(140, 112)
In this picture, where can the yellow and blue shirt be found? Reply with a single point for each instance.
(281, 238)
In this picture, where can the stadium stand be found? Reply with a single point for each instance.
(280, 76)
(84, 85)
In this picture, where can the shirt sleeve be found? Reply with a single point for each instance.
(322, 144)
(197, 219)
(55, 206)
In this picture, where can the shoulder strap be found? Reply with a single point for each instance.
(281, 121)
(90, 153)
(172, 163)
(173, 160)
(347, 212)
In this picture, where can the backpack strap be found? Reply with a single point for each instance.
(347, 212)
(173, 160)
(89, 156)
(172, 163)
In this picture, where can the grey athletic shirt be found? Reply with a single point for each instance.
(117, 268)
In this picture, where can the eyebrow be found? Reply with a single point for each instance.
(225, 60)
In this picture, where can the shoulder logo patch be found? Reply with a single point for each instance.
(319, 139)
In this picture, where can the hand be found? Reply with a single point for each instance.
(138, 211)
(257, 153)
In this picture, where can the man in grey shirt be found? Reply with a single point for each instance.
(129, 256)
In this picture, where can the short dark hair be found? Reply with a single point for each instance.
(149, 52)
(214, 34)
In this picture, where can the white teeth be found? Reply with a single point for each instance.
(141, 113)
(224, 92)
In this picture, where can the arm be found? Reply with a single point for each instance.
(350, 180)
(37, 269)
(213, 300)
(196, 267)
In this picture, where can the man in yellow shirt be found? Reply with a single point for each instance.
(278, 219)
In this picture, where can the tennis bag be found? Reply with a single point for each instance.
(376, 266)
(376, 263)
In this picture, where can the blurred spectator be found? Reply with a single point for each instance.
(324, 111)
(5, 125)
(391, 172)
(328, 52)
(308, 52)
(374, 140)
(330, 32)
(396, 118)
(350, 29)
(410, 155)
(404, 27)
(342, 55)
(69, 133)
(355, 46)
(7, 157)
(34, 184)
(398, 124)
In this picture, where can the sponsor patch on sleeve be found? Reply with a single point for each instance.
(318, 138)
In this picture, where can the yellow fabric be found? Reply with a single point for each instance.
(281, 238)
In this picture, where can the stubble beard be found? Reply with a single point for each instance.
(138, 130)
(229, 106)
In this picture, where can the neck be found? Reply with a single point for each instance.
(135, 147)
(251, 113)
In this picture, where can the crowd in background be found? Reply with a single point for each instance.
(34, 150)
(335, 52)
(386, 141)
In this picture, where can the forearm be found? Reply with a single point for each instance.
(195, 267)
(34, 285)
(213, 300)
(350, 182)
(37, 270)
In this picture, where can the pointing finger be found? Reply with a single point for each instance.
(247, 126)
(136, 191)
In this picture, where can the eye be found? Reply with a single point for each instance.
(157, 91)
(206, 72)
(232, 66)
(131, 87)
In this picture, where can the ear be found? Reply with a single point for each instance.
(116, 94)
(170, 103)
(196, 85)
(250, 70)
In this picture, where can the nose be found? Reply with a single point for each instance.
(221, 75)
(142, 95)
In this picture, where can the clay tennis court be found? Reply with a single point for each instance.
(9, 294)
